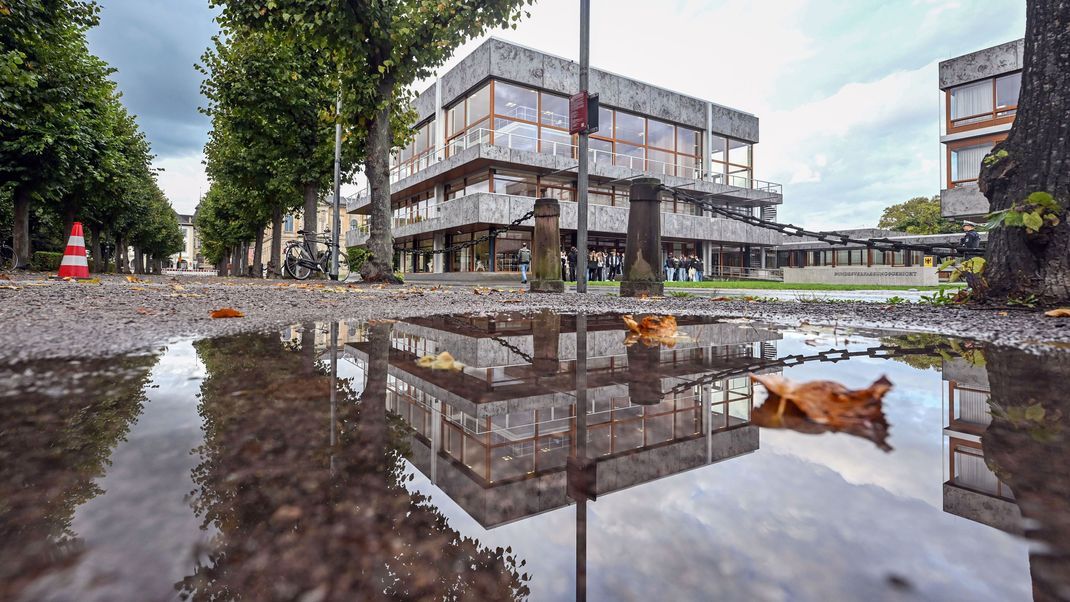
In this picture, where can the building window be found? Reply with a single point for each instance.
(288, 224)
(966, 162)
(985, 100)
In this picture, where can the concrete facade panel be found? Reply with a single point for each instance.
(910, 276)
(735, 124)
(982, 64)
(963, 202)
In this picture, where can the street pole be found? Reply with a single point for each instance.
(336, 232)
(581, 184)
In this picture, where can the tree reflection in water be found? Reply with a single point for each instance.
(297, 518)
(59, 429)
(1028, 447)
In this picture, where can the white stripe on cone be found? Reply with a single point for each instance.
(77, 241)
(75, 260)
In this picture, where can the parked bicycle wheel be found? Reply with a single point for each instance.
(293, 263)
(8, 259)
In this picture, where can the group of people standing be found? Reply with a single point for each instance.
(601, 265)
(683, 268)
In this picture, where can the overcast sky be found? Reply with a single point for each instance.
(846, 92)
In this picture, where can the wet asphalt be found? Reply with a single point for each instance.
(44, 318)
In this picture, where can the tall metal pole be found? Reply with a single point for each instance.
(581, 184)
(581, 452)
(336, 229)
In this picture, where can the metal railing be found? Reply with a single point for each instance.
(518, 141)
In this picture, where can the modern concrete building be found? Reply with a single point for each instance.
(980, 92)
(492, 135)
(497, 436)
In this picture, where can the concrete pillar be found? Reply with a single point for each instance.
(440, 127)
(436, 437)
(546, 333)
(707, 160)
(438, 264)
(491, 263)
(643, 271)
(546, 248)
(707, 258)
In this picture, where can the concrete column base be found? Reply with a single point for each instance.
(546, 286)
(638, 289)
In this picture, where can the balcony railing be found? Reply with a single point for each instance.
(517, 141)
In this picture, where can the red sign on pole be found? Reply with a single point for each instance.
(577, 113)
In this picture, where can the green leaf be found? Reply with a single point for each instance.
(1033, 221)
(1035, 413)
(1013, 219)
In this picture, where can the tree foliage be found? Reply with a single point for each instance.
(69, 150)
(381, 49)
(919, 215)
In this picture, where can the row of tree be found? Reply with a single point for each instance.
(276, 78)
(69, 149)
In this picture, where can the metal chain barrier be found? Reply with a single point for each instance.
(832, 238)
(494, 232)
(830, 355)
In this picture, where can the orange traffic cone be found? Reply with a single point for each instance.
(74, 263)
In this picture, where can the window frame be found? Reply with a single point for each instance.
(997, 116)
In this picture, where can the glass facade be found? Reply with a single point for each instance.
(982, 101)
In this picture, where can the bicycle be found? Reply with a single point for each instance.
(301, 257)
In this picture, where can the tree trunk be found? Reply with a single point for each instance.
(1027, 449)
(235, 260)
(1019, 264)
(120, 254)
(311, 192)
(276, 244)
(97, 265)
(139, 260)
(21, 242)
(258, 253)
(379, 267)
(69, 214)
(223, 263)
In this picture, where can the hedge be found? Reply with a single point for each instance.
(45, 261)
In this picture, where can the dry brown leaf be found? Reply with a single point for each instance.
(9, 287)
(443, 361)
(1062, 312)
(721, 298)
(651, 331)
(144, 311)
(824, 406)
(137, 288)
(178, 287)
(5, 277)
(133, 279)
(227, 312)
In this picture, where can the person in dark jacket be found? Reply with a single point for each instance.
(971, 239)
(670, 271)
(573, 255)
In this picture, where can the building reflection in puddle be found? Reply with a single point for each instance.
(497, 436)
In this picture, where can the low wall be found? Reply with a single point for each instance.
(909, 276)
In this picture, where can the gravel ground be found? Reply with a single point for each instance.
(45, 318)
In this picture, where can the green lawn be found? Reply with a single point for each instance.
(770, 285)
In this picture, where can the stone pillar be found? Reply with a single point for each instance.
(546, 248)
(439, 260)
(546, 334)
(644, 376)
(643, 271)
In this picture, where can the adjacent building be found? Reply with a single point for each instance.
(492, 135)
(980, 99)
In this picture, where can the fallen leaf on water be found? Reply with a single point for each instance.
(227, 312)
(824, 406)
(651, 331)
(134, 279)
(1062, 312)
(443, 361)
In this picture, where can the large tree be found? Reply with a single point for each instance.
(919, 215)
(382, 48)
(272, 104)
(50, 86)
(1027, 177)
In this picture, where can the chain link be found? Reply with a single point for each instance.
(494, 232)
(830, 355)
(832, 238)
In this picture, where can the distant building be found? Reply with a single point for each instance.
(189, 257)
(980, 92)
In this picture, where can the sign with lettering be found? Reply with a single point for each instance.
(577, 113)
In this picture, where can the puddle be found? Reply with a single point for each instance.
(326, 462)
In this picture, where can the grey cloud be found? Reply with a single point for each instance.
(154, 44)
